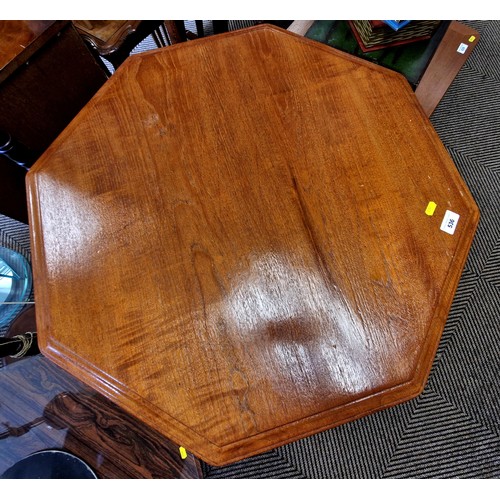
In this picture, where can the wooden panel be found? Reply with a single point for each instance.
(42, 407)
(41, 91)
(42, 97)
(455, 48)
(21, 39)
(247, 261)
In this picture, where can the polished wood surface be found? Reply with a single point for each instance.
(43, 407)
(247, 260)
(20, 37)
(17, 35)
(457, 45)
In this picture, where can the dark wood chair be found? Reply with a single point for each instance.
(47, 75)
(115, 40)
(178, 32)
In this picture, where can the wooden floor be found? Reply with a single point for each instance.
(42, 407)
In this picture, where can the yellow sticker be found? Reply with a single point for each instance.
(431, 207)
(472, 38)
(183, 452)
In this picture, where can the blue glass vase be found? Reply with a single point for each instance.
(15, 284)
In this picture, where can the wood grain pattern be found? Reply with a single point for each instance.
(17, 35)
(21, 39)
(246, 260)
(42, 407)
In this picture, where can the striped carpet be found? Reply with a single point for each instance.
(452, 430)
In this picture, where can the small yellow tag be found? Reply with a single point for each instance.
(472, 38)
(183, 452)
(431, 207)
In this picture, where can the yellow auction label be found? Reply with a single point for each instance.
(431, 207)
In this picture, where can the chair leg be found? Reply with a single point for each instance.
(199, 29)
(220, 26)
(175, 33)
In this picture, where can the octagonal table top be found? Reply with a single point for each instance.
(247, 239)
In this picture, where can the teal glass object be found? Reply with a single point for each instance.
(15, 284)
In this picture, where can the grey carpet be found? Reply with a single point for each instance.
(452, 430)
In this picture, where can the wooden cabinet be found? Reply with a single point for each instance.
(47, 75)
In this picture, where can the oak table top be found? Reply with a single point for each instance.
(246, 239)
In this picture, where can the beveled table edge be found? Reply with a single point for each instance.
(214, 454)
(231, 452)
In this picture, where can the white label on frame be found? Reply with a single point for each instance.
(462, 48)
(450, 221)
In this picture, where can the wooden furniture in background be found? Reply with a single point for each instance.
(43, 407)
(17, 37)
(47, 75)
(115, 40)
(177, 31)
(455, 48)
(255, 258)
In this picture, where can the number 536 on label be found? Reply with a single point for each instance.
(450, 221)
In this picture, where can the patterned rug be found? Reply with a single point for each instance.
(452, 430)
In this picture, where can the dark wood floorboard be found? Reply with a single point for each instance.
(42, 407)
